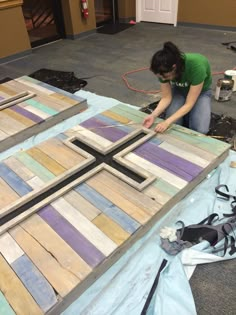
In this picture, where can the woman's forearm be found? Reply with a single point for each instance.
(163, 104)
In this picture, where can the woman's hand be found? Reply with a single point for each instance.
(148, 121)
(163, 126)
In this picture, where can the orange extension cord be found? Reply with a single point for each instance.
(124, 77)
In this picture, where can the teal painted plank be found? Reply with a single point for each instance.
(38, 169)
(165, 187)
(108, 208)
(42, 107)
(35, 282)
(5, 308)
(206, 143)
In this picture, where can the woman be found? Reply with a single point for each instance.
(185, 80)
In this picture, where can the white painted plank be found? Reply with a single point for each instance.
(82, 224)
(9, 248)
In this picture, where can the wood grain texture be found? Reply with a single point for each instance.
(61, 279)
(115, 197)
(5, 308)
(55, 245)
(83, 247)
(9, 248)
(35, 283)
(84, 226)
(8, 195)
(39, 107)
(16, 294)
(111, 229)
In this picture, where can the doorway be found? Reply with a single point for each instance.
(157, 11)
(44, 21)
(105, 12)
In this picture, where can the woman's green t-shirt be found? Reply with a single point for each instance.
(197, 70)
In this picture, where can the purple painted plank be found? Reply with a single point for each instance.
(168, 161)
(87, 251)
(1, 98)
(113, 134)
(26, 113)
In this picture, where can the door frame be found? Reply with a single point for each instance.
(139, 9)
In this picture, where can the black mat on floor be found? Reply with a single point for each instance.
(221, 125)
(115, 28)
(61, 79)
(5, 80)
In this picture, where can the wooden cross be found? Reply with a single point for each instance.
(96, 159)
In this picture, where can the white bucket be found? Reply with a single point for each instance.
(231, 74)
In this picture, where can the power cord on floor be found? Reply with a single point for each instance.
(124, 77)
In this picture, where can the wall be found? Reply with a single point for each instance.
(126, 9)
(13, 34)
(209, 12)
(75, 24)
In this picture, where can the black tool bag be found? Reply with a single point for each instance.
(61, 79)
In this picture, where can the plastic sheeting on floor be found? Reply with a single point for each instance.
(123, 289)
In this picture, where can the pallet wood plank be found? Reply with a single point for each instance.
(15, 293)
(45, 160)
(156, 170)
(5, 308)
(67, 157)
(105, 206)
(35, 283)
(37, 109)
(20, 169)
(84, 226)
(8, 195)
(134, 211)
(61, 279)
(9, 248)
(16, 116)
(85, 249)
(111, 229)
(9, 125)
(55, 245)
(14, 181)
(82, 205)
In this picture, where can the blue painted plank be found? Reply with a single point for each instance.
(14, 181)
(5, 308)
(108, 208)
(35, 282)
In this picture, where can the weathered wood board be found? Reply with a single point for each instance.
(57, 248)
(28, 106)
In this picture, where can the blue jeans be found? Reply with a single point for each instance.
(199, 117)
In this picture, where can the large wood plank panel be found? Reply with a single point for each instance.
(28, 106)
(67, 239)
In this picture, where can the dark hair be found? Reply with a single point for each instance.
(164, 59)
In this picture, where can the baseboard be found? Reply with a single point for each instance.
(15, 56)
(209, 26)
(81, 35)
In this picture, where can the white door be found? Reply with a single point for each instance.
(159, 11)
